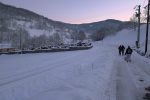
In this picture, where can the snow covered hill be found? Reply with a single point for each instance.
(18, 25)
(95, 74)
(128, 37)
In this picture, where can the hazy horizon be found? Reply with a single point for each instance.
(79, 11)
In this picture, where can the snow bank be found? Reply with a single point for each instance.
(128, 37)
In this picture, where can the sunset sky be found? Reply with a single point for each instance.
(80, 11)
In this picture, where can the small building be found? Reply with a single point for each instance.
(6, 48)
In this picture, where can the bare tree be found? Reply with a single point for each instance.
(134, 20)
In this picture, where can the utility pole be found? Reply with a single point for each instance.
(20, 37)
(139, 18)
(147, 26)
(138, 14)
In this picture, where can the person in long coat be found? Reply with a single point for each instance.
(128, 54)
(119, 48)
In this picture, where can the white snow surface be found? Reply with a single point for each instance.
(37, 32)
(129, 36)
(95, 74)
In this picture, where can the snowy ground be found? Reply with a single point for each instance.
(77, 75)
(94, 74)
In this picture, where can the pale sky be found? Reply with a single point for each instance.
(80, 11)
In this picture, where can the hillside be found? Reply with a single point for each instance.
(128, 37)
(18, 24)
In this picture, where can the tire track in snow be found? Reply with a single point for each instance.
(31, 74)
(37, 71)
(140, 74)
(125, 84)
(41, 69)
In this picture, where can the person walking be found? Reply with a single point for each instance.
(122, 49)
(128, 54)
(119, 48)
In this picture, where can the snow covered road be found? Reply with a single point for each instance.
(75, 75)
(132, 78)
(94, 74)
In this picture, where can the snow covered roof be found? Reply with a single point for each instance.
(2, 46)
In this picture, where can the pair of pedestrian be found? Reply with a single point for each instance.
(128, 52)
(121, 49)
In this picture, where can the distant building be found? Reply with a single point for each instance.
(6, 48)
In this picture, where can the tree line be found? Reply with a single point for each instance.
(20, 38)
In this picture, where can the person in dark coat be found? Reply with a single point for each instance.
(128, 54)
(122, 49)
(119, 48)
